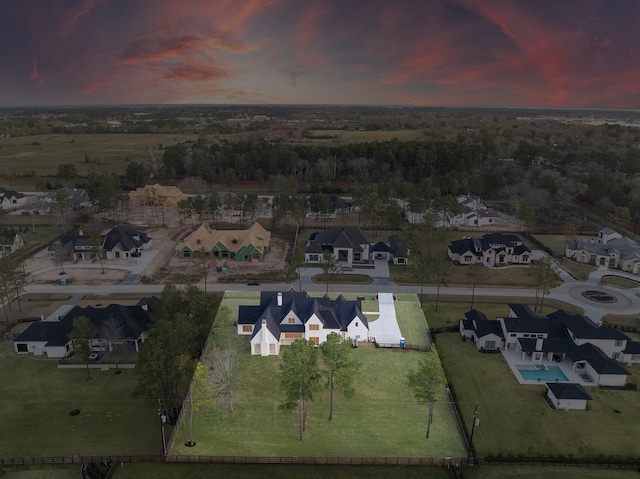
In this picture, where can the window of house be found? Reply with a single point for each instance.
(198, 241)
(616, 356)
(513, 335)
(234, 240)
(314, 327)
(490, 345)
(313, 257)
(292, 335)
(618, 343)
(246, 328)
(315, 340)
(291, 320)
(22, 348)
(357, 324)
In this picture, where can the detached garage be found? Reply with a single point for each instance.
(567, 396)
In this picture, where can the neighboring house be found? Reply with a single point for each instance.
(337, 204)
(473, 213)
(347, 244)
(157, 195)
(72, 248)
(399, 250)
(611, 250)
(248, 245)
(9, 243)
(567, 396)
(594, 353)
(11, 198)
(78, 198)
(487, 335)
(381, 250)
(123, 242)
(631, 354)
(495, 249)
(49, 337)
(281, 318)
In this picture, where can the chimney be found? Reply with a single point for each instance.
(279, 299)
(539, 344)
(264, 345)
(80, 232)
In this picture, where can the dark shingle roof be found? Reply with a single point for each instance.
(568, 391)
(599, 361)
(584, 328)
(633, 347)
(124, 238)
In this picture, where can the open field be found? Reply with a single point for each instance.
(343, 137)
(516, 420)
(546, 472)
(382, 420)
(47, 471)
(22, 155)
(36, 398)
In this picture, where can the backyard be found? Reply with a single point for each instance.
(515, 420)
(36, 399)
(383, 419)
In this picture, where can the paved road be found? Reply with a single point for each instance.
(570, 291)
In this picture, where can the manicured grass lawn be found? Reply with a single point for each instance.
(622, 321)
(555, 243)
(36, 398)
(516, 420)
(383, 419)
(580, 271)
(106, 152)
(343, 279)
(407, 311)
(546, 472)
(270, 471)
(515, 277)
(47, 471)
(619, 282)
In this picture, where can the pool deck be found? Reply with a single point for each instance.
(514, 359)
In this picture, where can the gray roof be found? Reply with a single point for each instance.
(568, 391)
(583, 328)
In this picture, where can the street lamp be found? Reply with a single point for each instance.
(476, 422)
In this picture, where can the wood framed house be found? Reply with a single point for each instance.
(248, 245)
(283, 317)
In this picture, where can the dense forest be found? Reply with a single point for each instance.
(545, 159)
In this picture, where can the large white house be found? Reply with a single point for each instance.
(611, 250)
(283, 317)
(495, 249)
(592, 352)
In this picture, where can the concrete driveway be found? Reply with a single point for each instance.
(385, 329)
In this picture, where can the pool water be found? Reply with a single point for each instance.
(548, 375)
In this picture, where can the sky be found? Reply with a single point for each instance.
(503, 53)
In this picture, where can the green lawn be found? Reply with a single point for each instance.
(580, 271)
(619, 282)
(546, 472)
(36, 398)
(516, 420)
(45, 471)
(271, 471)
(383, 419)
(516, 277)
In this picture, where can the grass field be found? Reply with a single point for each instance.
(516, 420)
(42, 154)
(356, 136)
(47, 471)
(546, 472)
(383, 419)
(508, 277)
(36, 398)
(271, 471)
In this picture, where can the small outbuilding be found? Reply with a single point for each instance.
(567, 396)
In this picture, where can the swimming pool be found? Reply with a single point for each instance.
(536, 373)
